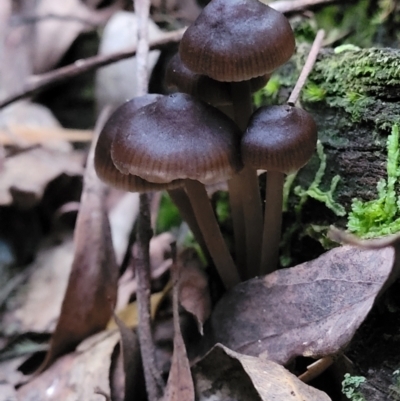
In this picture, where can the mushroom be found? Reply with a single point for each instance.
(108, 173)
(217, 93)
(103, 163)
(179, 138)
(234, 41)
(281, 140)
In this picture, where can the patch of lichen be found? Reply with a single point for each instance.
(365, 83)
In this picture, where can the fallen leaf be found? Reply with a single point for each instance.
(132, 362)
(74, 377)
(47, 281)
(24, 124)
(60, 25)
(129, 314)
(26, 175)
(228, 376)
(92, 285)
(180, 383)
(117, 82)
(122, 217)
(312, 309)
(194, 292)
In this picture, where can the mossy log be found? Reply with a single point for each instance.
(354, 96)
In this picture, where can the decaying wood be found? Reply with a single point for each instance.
(359, 105)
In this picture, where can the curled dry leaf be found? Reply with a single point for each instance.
(74, 377)
(92, 285)
(312, 309)
(60, 24)
(228, 376)
(194, 294)
(180, 383)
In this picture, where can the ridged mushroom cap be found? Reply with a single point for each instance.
(178, 137)
(236, 40)
(279, 138)
(201, 86)
(103, 163)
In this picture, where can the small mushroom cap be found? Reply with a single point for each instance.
(103, 164)
(178, 137)
(236, 40)
(279, 138)
(201, 86)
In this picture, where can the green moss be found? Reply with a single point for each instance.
(355, 81)
(380, 216)
(168, 215)
(269, 92)
(315, 192)
(314, 93)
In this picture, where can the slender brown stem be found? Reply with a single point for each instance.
(308, 66)
(272, 221)
(154, 382)
(236, 206)
(238, 223)
(248, 181)
(211, 233)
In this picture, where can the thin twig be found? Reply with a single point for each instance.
(154, 382)
(153, 379)
(38, 83)
(308, 66)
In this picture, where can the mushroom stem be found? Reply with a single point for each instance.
(238, 223)
(182, 202)
(247, 181)
(272, 221)
(211, 233)
(236, 205)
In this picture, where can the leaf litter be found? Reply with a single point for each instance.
(92, 285)
(311, 310)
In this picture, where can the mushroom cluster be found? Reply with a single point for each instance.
(209, 134)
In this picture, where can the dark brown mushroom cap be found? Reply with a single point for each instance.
(217, 93)
(178, 137)
(279, 138)
(236, 40)
(200, 86)
(103, 164)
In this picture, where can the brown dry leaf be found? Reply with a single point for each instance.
(312, 309)
(36, 305)
(129, 314)
(74, 377)
(194, 294)
(228, 376)
(132, 362)
(26, 175)
(180, 383)
(92, 286)
(61, 23)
